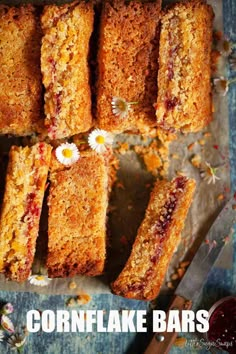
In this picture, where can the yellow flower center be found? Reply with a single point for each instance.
(100, 139)
(67, 153)
(122, 106)
(39, 277)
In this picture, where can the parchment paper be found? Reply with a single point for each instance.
(129, 202)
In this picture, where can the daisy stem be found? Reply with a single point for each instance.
(232, 81)
(133, 103)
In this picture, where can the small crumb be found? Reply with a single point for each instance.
(72, 285)
(234, 206)
(181, 173)
(175, 276)
(207, 135)
(217, 35)
(175, 156)
(130, 207)
(221, 197)
(215, 56)
(184, 264)
(191, 146)
(123, 148)
(180, 342)
(181, 272)
(170, 285)
(71, 302)
(120, 185)
(201, 142)
(83, 299)
(196, 161)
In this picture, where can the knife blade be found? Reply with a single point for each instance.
(196, 275)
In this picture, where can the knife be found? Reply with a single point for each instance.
(192, 283)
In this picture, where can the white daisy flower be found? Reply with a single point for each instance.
(209, 174)
(99, 140)
(224, 46)
(221, 85)
(67, 153)
(7, 309)
(7, 324)
(120, 107)
(39, 280)
(16, 341)
(1, 335)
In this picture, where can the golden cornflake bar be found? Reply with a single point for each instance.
(184, 88)
(77, 202)
(19, 222)
(127, 65)
(157, 238)
(64, 64)
(20, 76)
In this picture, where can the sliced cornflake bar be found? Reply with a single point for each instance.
(64, 64)
(20, 75)
(77, 202)
(184, 88)
(127, 65)
(19, 222)
(157, 238)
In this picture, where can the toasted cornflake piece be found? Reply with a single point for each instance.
(157, 238)
(19, 223)
(20, 76)
(78, 201)
(127, 65)
(184, 88)
(64, 64)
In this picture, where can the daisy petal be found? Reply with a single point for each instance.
(39, 280)
(7, 324)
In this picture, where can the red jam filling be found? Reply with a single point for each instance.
(164, 221)
(222, 326)
(161, 228)
(171, 103)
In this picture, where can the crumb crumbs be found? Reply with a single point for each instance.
(170, 285)
(220, 197)
(83, 299)
(175, 156)
(180, 342)
(122, 148)
(207, 134)
(184, 264)
(196, 161)
(120, 185)
(174, 276)
(72, 285)
(191, 146)
(201, 142)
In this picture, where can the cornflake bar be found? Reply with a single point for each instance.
(127, 65)
(20, 76)
(157, 238)
(64, 64)
(184, 89)
(78, 201)
(19, 222)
